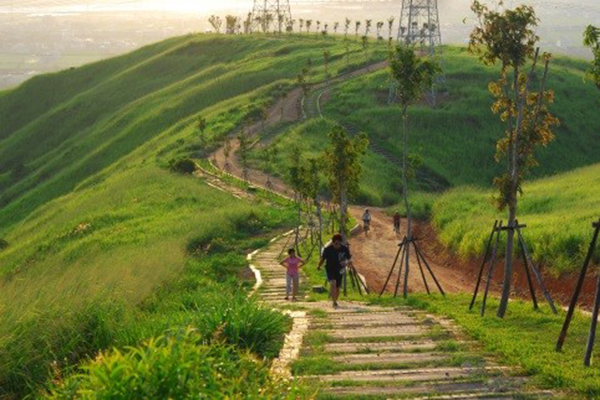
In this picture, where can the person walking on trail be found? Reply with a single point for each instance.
(397, 222)
(335, 257)
(292, 275)
(366, 217)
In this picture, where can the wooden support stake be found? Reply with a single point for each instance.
(392, 270)
(400, 266)
(405, 288)
(536, 273)
(483, 262)
(573, 303)
(529, 282)
(592, 337)
(422, 273)
(491, 269)
(420, 254)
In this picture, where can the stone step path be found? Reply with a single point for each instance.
(362, 351)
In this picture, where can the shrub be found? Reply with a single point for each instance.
(3, 244)
(182, 165)
(172, 367)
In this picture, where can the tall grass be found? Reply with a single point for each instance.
(558, 212)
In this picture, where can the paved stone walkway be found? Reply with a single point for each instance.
(362, 351)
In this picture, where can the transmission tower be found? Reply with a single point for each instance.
(267, 14)
(420, 27)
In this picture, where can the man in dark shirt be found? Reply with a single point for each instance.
(335, 257)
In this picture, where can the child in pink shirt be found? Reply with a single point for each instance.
(292, 276)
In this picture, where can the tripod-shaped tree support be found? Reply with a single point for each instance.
(403, 255)
(355, 280)
(490, 258)
(573, 304)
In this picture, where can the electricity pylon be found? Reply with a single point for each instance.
(420, 27)
(271, 13)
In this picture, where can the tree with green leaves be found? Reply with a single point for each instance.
(336, 26)
(325, 30)
(591, 39)
(412, 75)
(313, 184)
(227, 153)
(248, 24)
(301, 24)
(298, 185)
(280, 21)
(308, 25)
(270, 154)
(202, 124)
(365, 45)
(318, 30)
(356, 29)
(508, 37)
(216, 22)
(231, 23)
(343, 165)
(289, 28)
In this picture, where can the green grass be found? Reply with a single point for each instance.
(456, 141)
(524, 338)
(558, 211)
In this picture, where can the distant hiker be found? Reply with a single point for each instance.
(366, 218)
(397, 222)
(335, 256)
(292, 275)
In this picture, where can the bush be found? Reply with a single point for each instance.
(175, 368)
(3, 244)
(182, 165)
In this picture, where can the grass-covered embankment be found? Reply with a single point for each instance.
(558, 211)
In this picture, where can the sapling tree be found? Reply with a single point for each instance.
(216, 22)
(226, 153)
(318, 30)
(313, 184)
(368, 24)
(344, 168)
(248, 24)
(390, 28)
(231, 23)
(412, 74)
(280, 21)
(591, 39)
(290, 26)
(202, 124)
(270, 153)
(308, 25)
(336, 26)
(356, 28)
(508, 37)
(301, 24)
(365, 45)
(379, 27)
(298, 185)
(243, 153)
(347, 23)
(325, 30)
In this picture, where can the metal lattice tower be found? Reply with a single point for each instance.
(268, 14)
(420, 26)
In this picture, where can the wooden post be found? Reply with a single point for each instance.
(392, 270)
(400, 266)
(419, 254)
(573, 303)
(491, 270)
(592, 336)
(405, 288)
(483, 262)
(529, 282)
(536, 272)
(421, 269)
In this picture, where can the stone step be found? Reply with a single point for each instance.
(382, 346)
(407, 375)
(401, 331)
(365, 324)
(498, 387)
(389, 358)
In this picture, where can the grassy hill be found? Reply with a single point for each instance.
(108, 247)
